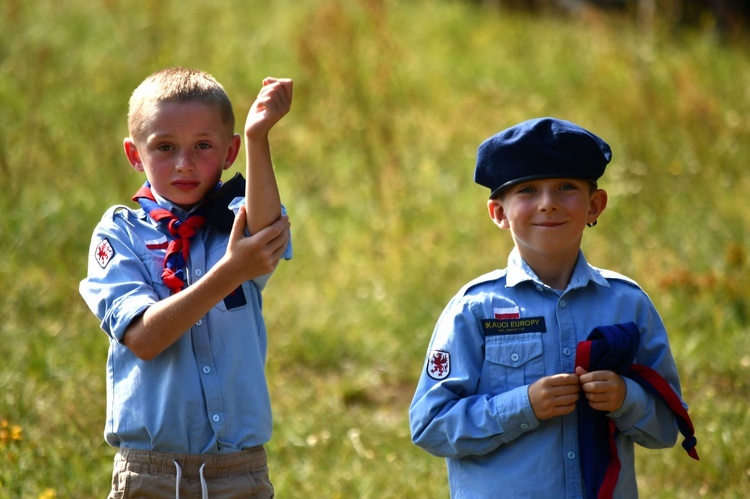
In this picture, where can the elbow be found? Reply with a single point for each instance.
(439, 447)
(141, 349)
(419, 439)
(419, 433)
(432, 440)
(144, 355)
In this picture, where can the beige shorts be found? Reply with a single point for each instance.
(148, 474)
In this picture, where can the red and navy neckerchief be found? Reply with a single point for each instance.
(181, 231)
(613, 348)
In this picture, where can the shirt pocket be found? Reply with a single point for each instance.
(236, 300)
(154, 262)
(513, 361)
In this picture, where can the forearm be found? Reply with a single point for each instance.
(164, 322)
(645, 419)
(475, 425)
(262, 192)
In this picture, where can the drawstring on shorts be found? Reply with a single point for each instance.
(171, 467)
(204, 486)
(177, 480)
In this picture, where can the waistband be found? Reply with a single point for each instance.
(216, 465)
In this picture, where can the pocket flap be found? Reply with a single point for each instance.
(513, 353)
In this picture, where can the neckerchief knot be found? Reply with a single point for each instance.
(181, 231)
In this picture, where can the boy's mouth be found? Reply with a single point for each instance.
(549, 224)
(185, 185)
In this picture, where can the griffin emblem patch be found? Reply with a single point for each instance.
(103, 253)
(439, 365)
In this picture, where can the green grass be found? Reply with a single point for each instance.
(375, 163)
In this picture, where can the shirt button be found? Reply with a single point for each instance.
(206, 369)
(524, 426)
(562, 303)
(567, 352)
(200, 322)
(514, 357)
(539, 288)
(198, 272)
(216, 418)
(571, 455)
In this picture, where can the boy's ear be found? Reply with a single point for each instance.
(131, 151)
(233, 151)
(497, 213)
(596, 205)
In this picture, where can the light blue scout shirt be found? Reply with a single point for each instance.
(472, 405)
(207, 392)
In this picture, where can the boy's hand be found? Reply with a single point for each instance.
(554, 395)
(257, 255)
(273, 103)
(605, 390)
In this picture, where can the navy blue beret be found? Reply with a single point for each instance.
(540, 148)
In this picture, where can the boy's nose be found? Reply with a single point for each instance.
(547, 200)
(184, 160)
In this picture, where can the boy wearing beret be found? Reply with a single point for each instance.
(511, 393)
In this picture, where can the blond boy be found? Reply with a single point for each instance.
(179, 293)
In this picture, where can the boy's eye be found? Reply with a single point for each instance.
(164, 147)
(204, 145)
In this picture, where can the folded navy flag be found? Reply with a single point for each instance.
(613, 348)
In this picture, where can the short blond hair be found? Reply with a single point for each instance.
(176, 84)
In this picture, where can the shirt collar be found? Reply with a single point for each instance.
(519, 271)
(169, 205)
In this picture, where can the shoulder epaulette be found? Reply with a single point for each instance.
(113, 211)
(482, 279)
(614, 276)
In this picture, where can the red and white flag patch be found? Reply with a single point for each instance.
(104, 253)
(155, 244)
(507, 313)
(439, 364)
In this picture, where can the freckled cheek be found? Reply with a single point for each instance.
(163, 166)
(206, 156)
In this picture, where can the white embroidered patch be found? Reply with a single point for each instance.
(104, 253)
(439, 365)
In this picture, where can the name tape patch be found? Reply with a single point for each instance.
(494, 327)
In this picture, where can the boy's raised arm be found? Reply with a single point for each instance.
(246, 258)
(263, 202)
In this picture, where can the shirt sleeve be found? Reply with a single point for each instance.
(260, 282)
(448, 417)
(235, 207)
(644, 417)
(118, 286)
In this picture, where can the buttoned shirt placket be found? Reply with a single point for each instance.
(568, 341)
(202, 346)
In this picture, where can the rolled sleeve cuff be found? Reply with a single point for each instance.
(235, 207)
(116, 323)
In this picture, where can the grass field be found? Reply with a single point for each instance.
(375, 163)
